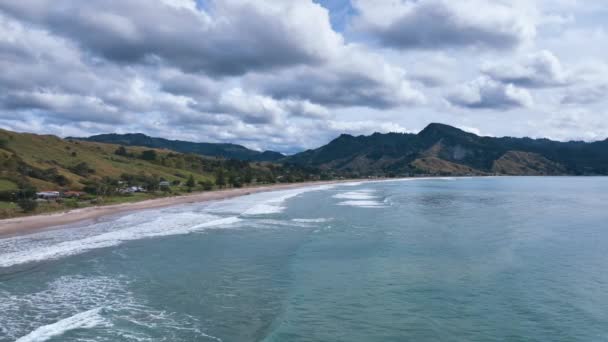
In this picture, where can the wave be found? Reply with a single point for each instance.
(363, 198)
(177, 220)
(363, 204)
(315, 220)
(83, 320)
(274, 205)
(364, 194)
(161, 226)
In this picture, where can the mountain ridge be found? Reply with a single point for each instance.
(441, 149)
(223, 150)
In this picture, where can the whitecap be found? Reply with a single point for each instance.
(364, 194)
(274, 204)
(83, 320)
(362, 204)
(160, 226)
(315, 220)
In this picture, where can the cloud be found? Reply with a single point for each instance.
(485, 93)
(586, 95)
(277, 74)
(232, 38)
(436, 24)
(356, 78)
(539, 70)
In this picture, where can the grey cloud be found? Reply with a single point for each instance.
(586, 95)
(436, 24)
(484, 93)
(358, 78)
(236, 37)
(535, 71)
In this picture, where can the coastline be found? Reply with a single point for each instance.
(35, 223)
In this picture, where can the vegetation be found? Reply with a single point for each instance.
(445, 150)
(109, 173)
(148, 155)
(228, 151)
(28, 205)
(121, 151)
(190, 183)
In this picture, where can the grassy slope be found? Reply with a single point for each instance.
(6, 184)
(44, 151)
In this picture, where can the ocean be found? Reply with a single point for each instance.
(450, 259)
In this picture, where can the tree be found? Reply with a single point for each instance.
(190, 183)
(82, 169)
(27, 204)
(148, 155)
(121, 151)
(248, 178)
(220, 177)
(207, 185)
(25, 199)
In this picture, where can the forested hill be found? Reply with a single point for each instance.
(47, 162)
(444, 150)
(228, 151)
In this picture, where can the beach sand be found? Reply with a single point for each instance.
(30, 224)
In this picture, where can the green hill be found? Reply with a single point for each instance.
(229, 151)
(444, 150)
(104, 171)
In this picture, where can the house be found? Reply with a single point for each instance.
(72, 194)
(48, 195)
(132, 189)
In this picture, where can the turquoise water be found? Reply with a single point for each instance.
(480, 259)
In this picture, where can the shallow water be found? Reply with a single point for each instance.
(480, 259)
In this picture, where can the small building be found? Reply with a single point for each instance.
(132, 190)
(48, 195)
(72, 194)
(164, 184)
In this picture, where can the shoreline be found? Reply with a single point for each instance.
(35, 223)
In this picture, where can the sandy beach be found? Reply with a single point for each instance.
(29, 224)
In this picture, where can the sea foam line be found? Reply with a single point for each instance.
(109, 239)
(83, 320)
(275, 205)
(131, 227)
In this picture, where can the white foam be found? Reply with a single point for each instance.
(139, 225)
(264, 209)
(160, 226)
(274, 204)
(316, 220)
(356, 195)
(363, 198)
(77, 297)
(362, 204)
(83, 320)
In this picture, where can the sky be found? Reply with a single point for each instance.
(289, 75)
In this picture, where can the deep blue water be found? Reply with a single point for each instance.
(478, 259)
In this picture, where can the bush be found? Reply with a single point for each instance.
(71, 203)
(148, 155)
(27, 205)
(82, 169)
(207, 185)
(121, 151)
(5, 213)
(190, 183)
